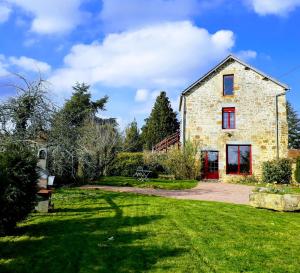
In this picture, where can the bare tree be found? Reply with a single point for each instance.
(27, 115)
(97, 144)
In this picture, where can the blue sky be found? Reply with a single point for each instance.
(132, 49)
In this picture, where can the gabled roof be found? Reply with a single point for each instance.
(228, 58)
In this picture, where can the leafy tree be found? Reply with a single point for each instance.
(294, 127)
(18, 183)
(132, 142)
(161, 123)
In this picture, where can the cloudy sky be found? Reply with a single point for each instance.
(132, 49)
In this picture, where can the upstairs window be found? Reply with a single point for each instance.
(228, 118)
(228, 85)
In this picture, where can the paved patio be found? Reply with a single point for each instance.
(221, 192)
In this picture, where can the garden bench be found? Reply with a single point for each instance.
(141, 174)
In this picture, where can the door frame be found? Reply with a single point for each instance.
(205, 161)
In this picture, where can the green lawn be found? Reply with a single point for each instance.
(155, 183)
(151, 234)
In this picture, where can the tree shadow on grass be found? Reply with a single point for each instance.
(92, 209)
(94, 244)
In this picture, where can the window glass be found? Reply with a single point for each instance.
(244, 159)
(232, 159)
(232, 120)
(228, 85)
(225, 120)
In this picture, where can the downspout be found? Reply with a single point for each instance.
(183, 120)
(277, 122)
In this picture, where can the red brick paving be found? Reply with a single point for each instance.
(220, 192)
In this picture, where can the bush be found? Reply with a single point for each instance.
(18, 184)
(154, 163)
(126, 164)
(184, 163)
(277, 171)
(297, 172)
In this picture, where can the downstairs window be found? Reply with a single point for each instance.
(238, 159)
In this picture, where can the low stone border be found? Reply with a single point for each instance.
(279, 202)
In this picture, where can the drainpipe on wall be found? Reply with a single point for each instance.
(277, 122)
(183, 120)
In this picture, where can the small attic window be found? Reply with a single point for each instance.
(247, 68)
(228, 85)
(265, 79)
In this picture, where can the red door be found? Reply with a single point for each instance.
(210, 164)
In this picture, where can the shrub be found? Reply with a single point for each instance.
(18, 184)
(297, 172)
(154, 162)
(125, 164)
(184, 163)
(277, 171)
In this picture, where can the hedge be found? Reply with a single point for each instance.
(126, 164)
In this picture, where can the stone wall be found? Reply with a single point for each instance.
(255, 110)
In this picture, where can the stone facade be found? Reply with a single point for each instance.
(254, 101)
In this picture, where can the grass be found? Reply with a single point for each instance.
(95, 231)
(155, 183)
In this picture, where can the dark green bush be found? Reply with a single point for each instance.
(126, 164)
(277, 171)
(18, 184)
(297, 172)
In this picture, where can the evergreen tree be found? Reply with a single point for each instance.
(80, 106)
(161, 123)
(294, 127)
(132, 142)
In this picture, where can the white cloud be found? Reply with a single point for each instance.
(30, 64)
(127, 14)
(141, 95)
(3, 66)
(276, 7)
(5, 12)
(23, 63)
(52, 16)
(246, 55)
(155, 57)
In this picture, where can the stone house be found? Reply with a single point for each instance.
(237, 114)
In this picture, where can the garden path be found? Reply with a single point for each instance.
(207, 191)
